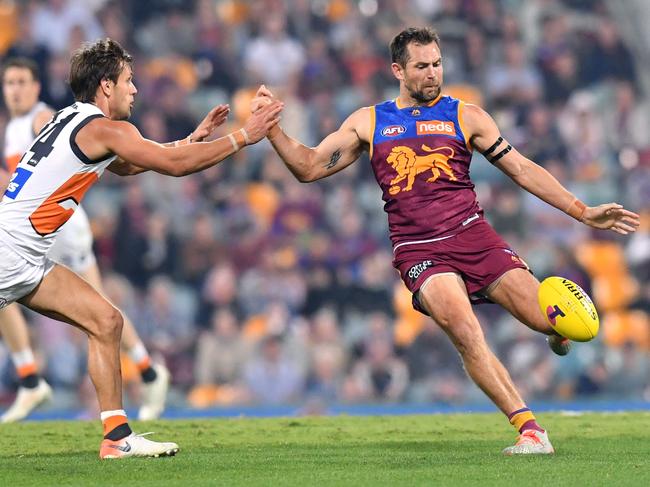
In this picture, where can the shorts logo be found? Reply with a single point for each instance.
(552, 312)
(415, 271)
(18, 180)
(3, 303)
(435, 127)
(516, 258)
(393, 130)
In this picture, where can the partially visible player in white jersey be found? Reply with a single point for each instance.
(69, 154)
(73, 248)
(21, 88)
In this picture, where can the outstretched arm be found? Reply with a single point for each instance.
(208, 125)
(484, 136)
(103, 136)
(337, 151)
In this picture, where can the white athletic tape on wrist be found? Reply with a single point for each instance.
(245, 134)
(233, 141)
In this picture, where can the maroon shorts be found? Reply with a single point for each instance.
(477, 253)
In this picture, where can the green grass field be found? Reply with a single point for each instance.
(464, 449)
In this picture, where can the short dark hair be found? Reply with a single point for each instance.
(93, 62)
(417, 35)
(21, 62)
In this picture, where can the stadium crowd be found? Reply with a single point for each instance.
(255, 289)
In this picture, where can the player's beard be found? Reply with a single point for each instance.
(421, 97)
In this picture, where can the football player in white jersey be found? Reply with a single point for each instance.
(67, 157)
(72, 248)
(21, 88)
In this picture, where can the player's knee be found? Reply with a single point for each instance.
(466, 335)
(109, 325)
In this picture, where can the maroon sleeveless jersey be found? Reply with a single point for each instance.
(420, 157)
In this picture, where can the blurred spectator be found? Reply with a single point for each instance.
(274, 58)
(57, 92)
(378, 376)
(53, 22)
(271, 377)
(607, 57)
(166, 35)
(515, 81)
(219, 291)
(435, 368)
(542, 141)
(221, 353)
(626, 124)
(164, 323)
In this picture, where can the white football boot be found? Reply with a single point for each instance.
(531, 442)
(154, 394)
(136, 446)
(560, 345)
(26, 401)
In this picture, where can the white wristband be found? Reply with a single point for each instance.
(233, 141)
(188, 139)
(245, 134)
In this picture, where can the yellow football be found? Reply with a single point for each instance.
(568, 309)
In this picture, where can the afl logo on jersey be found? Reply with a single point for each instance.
(393, 130)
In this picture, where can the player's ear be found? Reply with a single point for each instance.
(107, 86)
(398, 71)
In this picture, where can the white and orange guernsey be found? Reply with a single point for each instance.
(48, 184)
(19, 135)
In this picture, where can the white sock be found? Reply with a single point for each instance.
(107, 414)
(138, 353)
(22, 358)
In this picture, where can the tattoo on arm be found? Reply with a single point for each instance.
(334, 159)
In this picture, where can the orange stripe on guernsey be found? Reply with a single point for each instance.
(25, 370)
(461, 122)
(373, 123)
(51, 215)
(12, 162)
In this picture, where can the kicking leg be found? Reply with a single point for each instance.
(445, 297)
(517, 292)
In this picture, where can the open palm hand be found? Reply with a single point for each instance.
(611, 216)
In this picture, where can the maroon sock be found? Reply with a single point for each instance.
(531, 424)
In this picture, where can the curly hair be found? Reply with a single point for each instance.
(94, 62)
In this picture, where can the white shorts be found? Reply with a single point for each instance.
(73, 246)
(19, 277)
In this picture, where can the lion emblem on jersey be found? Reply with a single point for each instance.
(408, 164)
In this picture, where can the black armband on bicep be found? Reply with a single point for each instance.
(488, 152)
